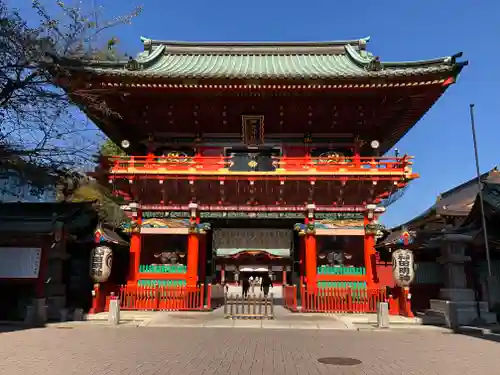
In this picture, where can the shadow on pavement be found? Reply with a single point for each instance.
(14, 327)
(479, 333)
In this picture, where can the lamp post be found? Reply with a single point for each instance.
(481, 204)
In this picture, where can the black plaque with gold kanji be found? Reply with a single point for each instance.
(253, 129)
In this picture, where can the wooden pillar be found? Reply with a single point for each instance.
(369, 250)
(193, 248)
(284, 276)
(42, 270)
(311, 261)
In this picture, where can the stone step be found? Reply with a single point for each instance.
(432, 317)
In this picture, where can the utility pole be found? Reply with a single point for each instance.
(481, 205)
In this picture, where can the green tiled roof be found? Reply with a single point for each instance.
(303, 60)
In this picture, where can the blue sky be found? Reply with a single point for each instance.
(400, 30)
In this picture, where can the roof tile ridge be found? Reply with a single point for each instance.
(361, 43)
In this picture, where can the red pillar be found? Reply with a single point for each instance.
(192, 258)
(369, 250)
(284, 276)
(311, 261)
(135, 257)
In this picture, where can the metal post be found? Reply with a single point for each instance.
(225, 304)
(490, 282)
(272, 306)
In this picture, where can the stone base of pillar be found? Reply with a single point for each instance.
(36, 314)
(493, 290)
(465, 308)
(456, 294)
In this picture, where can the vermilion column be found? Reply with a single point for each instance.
(311, 261)
(369, 250)
(135, 257)
(135, 251)
(193, 247)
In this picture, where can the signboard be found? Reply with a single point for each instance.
(339, 215)
(20, 262)
(165, 214)
(403, 267)
(253, 129)
(101, 260)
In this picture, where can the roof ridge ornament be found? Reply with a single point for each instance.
(362, 43)
(375, 65)
(147, 43)
(132, 64)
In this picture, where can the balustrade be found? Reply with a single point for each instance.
(234, 164)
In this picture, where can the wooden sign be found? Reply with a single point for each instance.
(403, 267)
(339, 215)
(253, 129)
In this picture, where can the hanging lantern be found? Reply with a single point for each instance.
(101, 260)
(403, 267)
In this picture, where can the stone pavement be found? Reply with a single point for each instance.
(284, 320)
(100, 350)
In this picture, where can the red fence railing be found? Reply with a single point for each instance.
(341, 300)
(215, 296)
(290, 297)
(163, 298)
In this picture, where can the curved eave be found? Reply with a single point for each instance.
(323, 67)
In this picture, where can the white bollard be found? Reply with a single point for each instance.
(383, 315)
(114, 311)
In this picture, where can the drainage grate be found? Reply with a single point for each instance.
(339, 361)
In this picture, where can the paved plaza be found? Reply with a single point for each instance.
(126, 350)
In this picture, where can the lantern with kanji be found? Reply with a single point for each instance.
(403, 267)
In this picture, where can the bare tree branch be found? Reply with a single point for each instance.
(39, 121)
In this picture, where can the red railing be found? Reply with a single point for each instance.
(172, 164)
(163, 298)
(341, 300)
(290, 297)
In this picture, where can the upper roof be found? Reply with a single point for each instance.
(283, 60)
